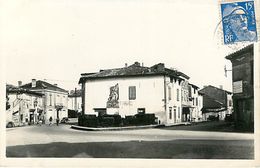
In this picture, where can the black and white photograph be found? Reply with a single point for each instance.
(130, 83)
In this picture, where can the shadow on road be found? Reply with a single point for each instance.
(176, 149)
(216, 126)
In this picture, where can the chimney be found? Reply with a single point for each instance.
(125, 65)
(33, 83)
(137, 63)
(20, 83)
(142, 64)
(55, 84)
(160, 67)
(221, 87)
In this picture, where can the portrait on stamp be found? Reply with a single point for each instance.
(239, 22)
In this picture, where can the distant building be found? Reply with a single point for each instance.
(243, 87)
(196, 103)
(216, 102)
(55, 100)
(74, 103)
(24, 106)
(136, 89)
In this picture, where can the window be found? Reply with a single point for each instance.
(50, 99)
(57, 99)
(141, 110)
(190, 90)
(169, 93)
(194, 91)
(132, 92)
(179, 112)
(230, 102)
(196, 101)
(174, 114)
(178, 94)
(170, 112)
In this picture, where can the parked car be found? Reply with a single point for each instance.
(9, 124)
(64, 120)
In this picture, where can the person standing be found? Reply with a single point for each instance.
(40, 122)
(57, 121)
(50, 120)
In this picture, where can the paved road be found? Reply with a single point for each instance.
(39, 141)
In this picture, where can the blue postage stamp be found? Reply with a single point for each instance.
(239, 23)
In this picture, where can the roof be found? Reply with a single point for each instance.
(196, 87)
(133, 70)
(238, 52)
(210, 104)
(17, 90)
(202, 90)
(43, 85)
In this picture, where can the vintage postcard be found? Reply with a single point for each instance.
(134, 83)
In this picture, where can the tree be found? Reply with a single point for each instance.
(7, 106)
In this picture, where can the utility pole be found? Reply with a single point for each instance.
(75, 105)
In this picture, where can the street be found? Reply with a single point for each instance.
(62, 141)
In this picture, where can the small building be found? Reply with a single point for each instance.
(74, 103)
(196, 103)
(243, 87)
(135, 89)
(24, 106)
(216, 102)
(55, 100)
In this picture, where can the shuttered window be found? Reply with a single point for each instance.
(178, 95)
(169, 93)
(132, 92)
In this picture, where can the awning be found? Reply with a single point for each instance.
(216, 110)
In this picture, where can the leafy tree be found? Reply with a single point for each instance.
(7, 103)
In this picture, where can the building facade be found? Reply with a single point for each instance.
(55, 101)
(25, 106)
(74, 103)
(135, 89)
(196, 103)
(216, 102)
(243, 87)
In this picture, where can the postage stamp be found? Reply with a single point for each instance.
(239, 23)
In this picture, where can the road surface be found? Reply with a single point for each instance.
(62, 141)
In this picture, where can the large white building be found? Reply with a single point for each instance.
(135, 89)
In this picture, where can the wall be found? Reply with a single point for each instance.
(149, 95)
(71, 103)
(23, 103)
(196, 104)
(51, 99)
(243, 102)
(174, 103)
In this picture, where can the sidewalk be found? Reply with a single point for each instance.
(125, 128)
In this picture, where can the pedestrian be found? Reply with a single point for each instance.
(57, 121)
(50, 120)
(40, 122)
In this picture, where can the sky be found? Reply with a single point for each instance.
(58, 40)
